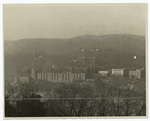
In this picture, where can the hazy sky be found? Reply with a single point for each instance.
(69, 20)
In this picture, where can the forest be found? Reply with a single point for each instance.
(105, 96)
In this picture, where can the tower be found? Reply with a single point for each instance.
(33, 73)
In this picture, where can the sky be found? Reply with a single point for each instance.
(70, 20)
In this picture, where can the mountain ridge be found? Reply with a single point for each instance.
(115, 51)
(75, 37)
(120, 42)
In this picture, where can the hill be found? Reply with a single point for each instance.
(124, 43)
(116, 50)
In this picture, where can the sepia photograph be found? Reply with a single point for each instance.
(75, 60)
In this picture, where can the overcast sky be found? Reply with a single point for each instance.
(69, 20)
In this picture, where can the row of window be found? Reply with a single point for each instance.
(61, 76)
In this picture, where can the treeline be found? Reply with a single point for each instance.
(105, 97)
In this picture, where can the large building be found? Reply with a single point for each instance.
(22, 79)
(137, 74)
(117, 72)
(103, 73)
(88, 57)
(61, 77)
(87, 60)
(33, 73)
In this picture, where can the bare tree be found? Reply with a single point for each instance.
(26, 90)
(72, 100)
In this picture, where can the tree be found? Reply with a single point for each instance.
(71, 100)
(27, 102)
(102, 91)
(10, 110)
(30, 107)
(26, 90)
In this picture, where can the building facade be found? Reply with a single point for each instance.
(103, 73)
(61, 77)
(22, 79)
(117, 72)
(33, 73)
(135, 74)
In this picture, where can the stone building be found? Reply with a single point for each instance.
(61, 77)
(88, 57)
(22, 79)
(103, 73)
(132, 74)
(87, 60)
(33, 73)
(117, 72)
(136, 74)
